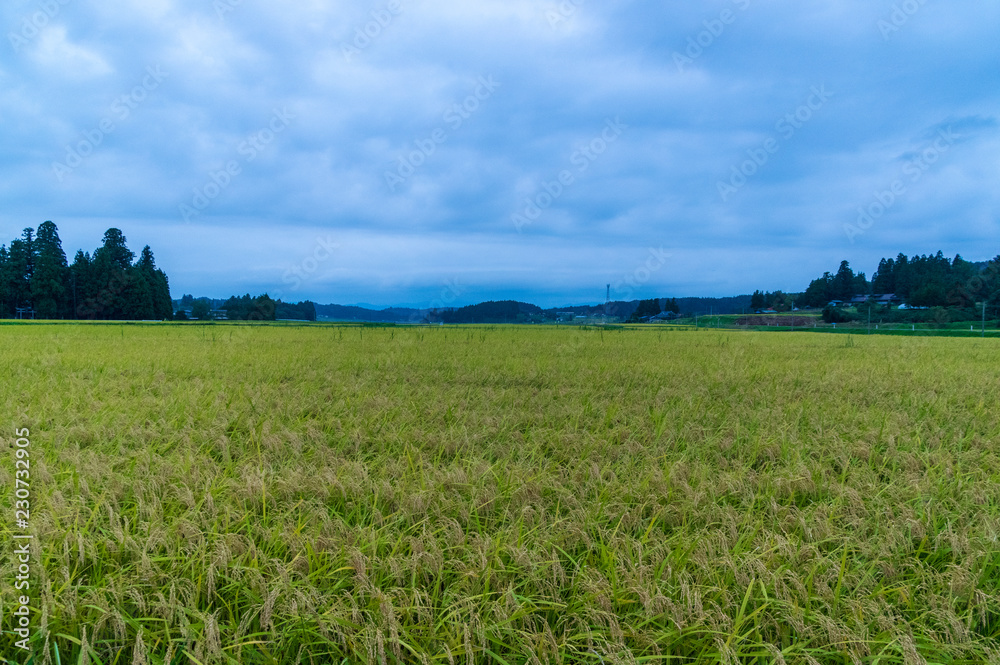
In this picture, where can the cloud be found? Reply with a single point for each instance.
(368, 85)
(62, 58)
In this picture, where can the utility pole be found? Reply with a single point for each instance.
(984, 319)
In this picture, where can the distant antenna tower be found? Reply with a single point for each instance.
(608, 298)
(607, 303)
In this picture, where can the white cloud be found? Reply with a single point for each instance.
(62, 57)
(355, 117)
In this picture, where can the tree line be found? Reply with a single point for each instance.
(263, 308)
(651, 307)
(779, 301)
(247, 308)
(37, 281)
(919, 281)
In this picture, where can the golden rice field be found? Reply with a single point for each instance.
(513, 495)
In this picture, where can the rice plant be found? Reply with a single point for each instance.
(537, 495)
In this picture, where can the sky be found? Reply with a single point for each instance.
(409, 152)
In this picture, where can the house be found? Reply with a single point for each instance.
(877, 298)
(835, 303)
(217, 314)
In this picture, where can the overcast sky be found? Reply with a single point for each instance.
(418, 152)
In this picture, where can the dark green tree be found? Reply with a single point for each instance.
(901, 276)
(843, 282)
(781, 301)
(154, 288)
(884, 279)
(860, 285)
(819, 293)
(50, 277)
(114, 251)
(81, 284)
(245, 308)
(990, 287)
(302, 311)
(136, 297)
(263, 309)
(4, 298)
(114, 294)
(201, 310)
(645, 309)
(34, 275)
(17, 270)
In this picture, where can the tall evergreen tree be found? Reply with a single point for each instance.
(136, 296)
(82, 289)
(884, 281)
(4, 297)
(990, 289)
(843, 282)
(901, 276)
(114, 294)
(860, 286)
(50, 275)
(114, 250)
(18, 268)
(819, 293)
(160, 306)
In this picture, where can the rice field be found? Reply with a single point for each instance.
(514, 495)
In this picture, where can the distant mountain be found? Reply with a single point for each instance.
(503, 311)
(366, 305)
(512, 311)
(355, 313)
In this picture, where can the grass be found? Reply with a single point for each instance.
(782, 321)
(454, 495)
